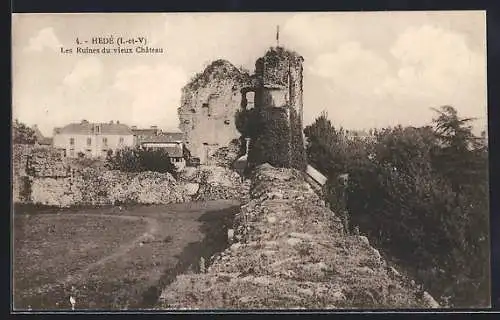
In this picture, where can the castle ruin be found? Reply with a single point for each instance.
(212, 99)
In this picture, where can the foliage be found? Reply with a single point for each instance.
(138, 160)
(270, 139)
(22, 134)
(276, 62)
(419, 193)
(218, 70)
(275, 139)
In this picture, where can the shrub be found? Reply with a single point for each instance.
(22, 134)
(271, 143)
(138, 160)
(275, 138)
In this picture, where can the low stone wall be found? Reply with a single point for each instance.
(104, 187)
(20, 153)
(43, 176)
(47, 162)
(289, 250)
(30, 162)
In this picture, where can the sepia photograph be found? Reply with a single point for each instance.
(249, 161)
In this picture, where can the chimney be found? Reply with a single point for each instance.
(117, 122)
(154, 127)
(111, 122)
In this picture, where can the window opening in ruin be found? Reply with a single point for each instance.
(193, 110)
(227, 122)
(205, 105)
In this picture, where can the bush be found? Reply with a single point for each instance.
(138, 160)
(271, 143)
(22, 134)
(275, 139)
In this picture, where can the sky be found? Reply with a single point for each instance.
(365, 69)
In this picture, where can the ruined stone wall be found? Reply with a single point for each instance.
(208, 107)
(95, 187)
(47, 163)
(29, 162)
(288, 250)
(20, 153)
(45, 177)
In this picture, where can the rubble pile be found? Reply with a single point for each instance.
(225, 156)
(217, 183)
(288, 250)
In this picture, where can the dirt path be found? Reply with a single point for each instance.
(122, 250)
(133, 274)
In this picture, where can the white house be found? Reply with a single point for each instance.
(92, 139)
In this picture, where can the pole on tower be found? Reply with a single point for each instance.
(278, 35)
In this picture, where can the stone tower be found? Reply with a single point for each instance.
(279, 80)
(278, 91)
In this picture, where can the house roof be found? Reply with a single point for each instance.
(88, 128)
(145, 132)
(163, 138)
(174, 152)
(40, 138)
(44, 141)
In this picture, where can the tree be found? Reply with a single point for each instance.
(460, 150)
(22, 134)
(454, 132)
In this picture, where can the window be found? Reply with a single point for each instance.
(72, 141)
(105, 142)
(72, 152)
(121, 140)
(98, 129)
(89, 141)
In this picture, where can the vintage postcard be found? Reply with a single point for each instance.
(236, 161)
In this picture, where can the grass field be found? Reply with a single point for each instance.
(108, 258)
